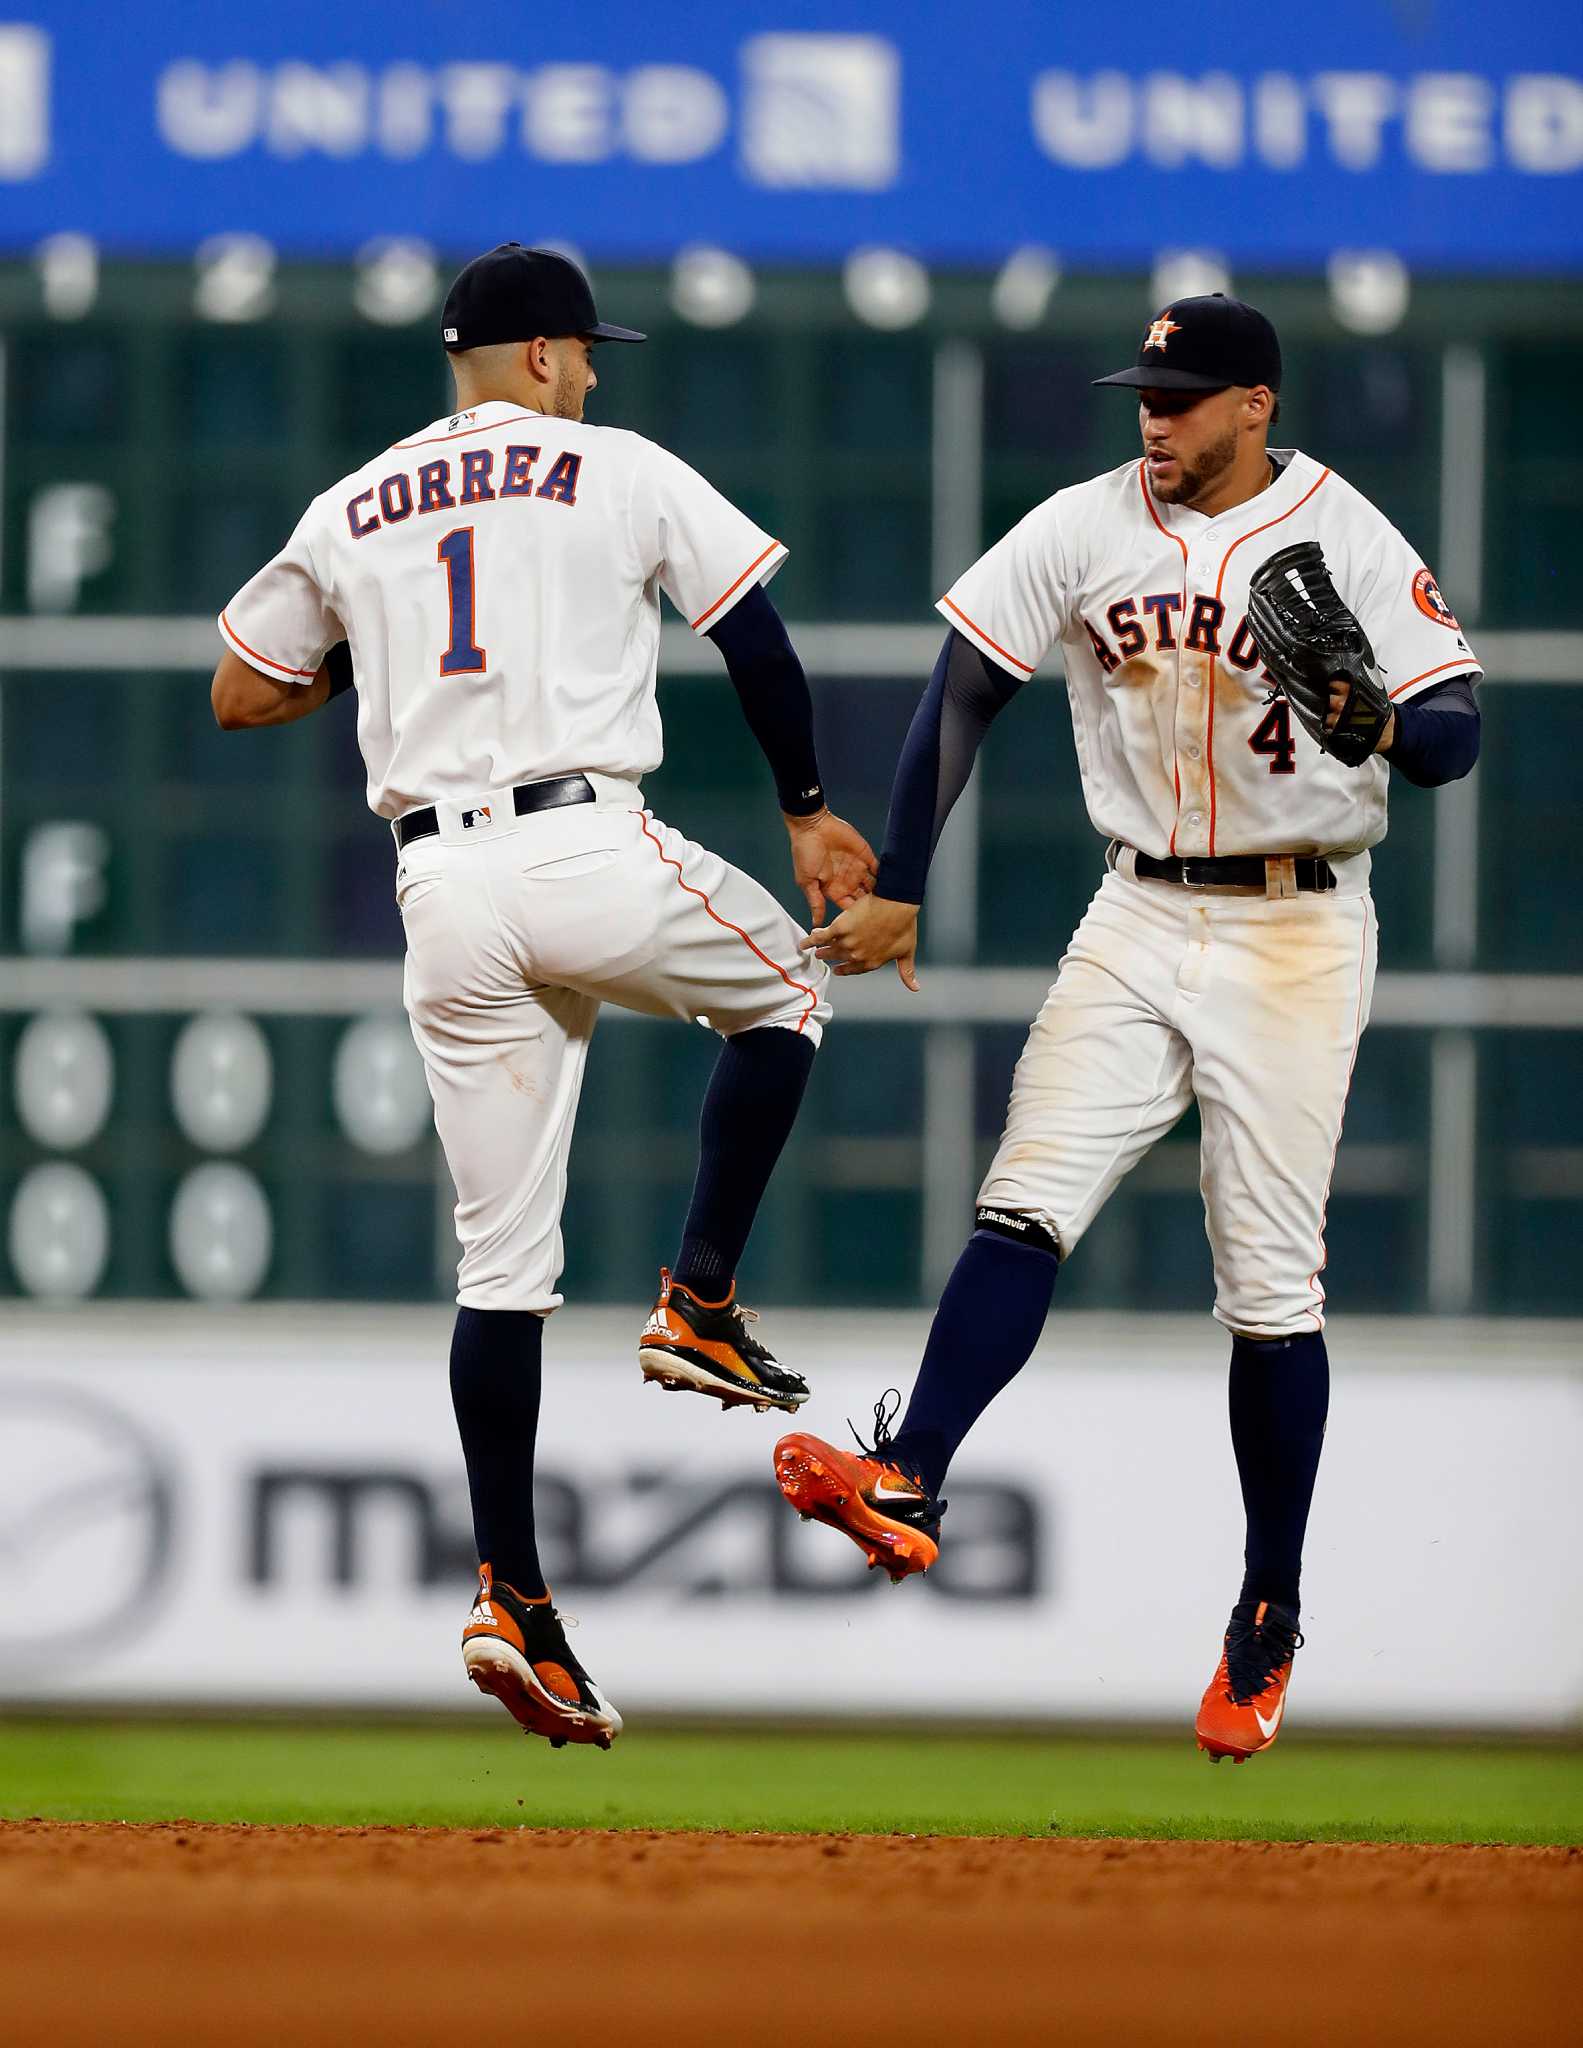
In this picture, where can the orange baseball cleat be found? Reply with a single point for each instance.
(1242, 1711)
(883, 1506)
(706, 1347)
(516, 1650)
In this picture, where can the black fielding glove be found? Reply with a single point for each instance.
(1308, 639)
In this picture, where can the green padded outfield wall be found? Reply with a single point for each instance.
(192, 444)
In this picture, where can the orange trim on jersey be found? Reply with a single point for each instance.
(746, 573)
(1357, 1040)
(1220, 581)
(1176, 780)
(801, 987)
(979, 630)
(483, 427)
(253, 654)
(1463, 667)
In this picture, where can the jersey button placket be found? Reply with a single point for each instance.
(1192, 715)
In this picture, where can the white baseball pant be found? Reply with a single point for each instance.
(1252, 1004)
(517, 930)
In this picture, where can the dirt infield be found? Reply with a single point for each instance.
(128, 1935)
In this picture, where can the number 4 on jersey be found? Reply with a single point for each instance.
(1274, 738)
(464, 657)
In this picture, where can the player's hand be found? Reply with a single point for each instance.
(830, 858)
(1338, 704)
(870, 933)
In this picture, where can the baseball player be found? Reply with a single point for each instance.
(1249, 646)
(493, 584)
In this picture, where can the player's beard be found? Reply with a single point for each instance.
(1211, 465)
(568, 399)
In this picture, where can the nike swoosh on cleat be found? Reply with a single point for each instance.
(1269, 1727)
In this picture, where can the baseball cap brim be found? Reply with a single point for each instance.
(1163, 379)
(605, 331)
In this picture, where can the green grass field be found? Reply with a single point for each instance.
(912, 1783)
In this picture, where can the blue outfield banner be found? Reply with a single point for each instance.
(1443, 130)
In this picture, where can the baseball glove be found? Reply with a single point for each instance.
(1309, 639)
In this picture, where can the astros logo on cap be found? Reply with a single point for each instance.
(1161, 328)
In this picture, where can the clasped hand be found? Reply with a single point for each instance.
(831, 859)
(873, 930)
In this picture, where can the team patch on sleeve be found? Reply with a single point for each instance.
(1426, 595)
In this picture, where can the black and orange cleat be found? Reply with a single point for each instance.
(883, 1506)
(706, 1347)
(516, 1650)
(1242, 1711)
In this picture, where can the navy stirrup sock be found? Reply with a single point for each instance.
(1280, 1395)
(984, 1331)
(749, 1108)
(496, 1372)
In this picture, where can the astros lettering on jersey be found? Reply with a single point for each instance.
(1183, 747)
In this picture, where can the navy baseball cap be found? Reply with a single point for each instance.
(1204, 345)
(515, 294)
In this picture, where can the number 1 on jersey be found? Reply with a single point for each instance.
(464, 657)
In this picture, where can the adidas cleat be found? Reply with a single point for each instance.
(516, 1650)
(706, 1347)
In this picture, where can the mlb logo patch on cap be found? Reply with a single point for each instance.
(514, 294)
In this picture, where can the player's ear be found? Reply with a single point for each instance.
(537, 357)
(1259, 405)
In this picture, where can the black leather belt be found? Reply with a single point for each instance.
(526, 797)
(1232, 871)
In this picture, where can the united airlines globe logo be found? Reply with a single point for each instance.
(87, 1518)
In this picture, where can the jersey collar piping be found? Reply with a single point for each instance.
(1183, 523)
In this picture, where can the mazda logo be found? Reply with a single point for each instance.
(87, 1513)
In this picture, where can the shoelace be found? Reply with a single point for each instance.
(886, 1409)
(1255, 1651)
(742, 1317)
(563, 1622)
(760, 1354)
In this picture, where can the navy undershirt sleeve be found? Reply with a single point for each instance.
(1437, 734)
(339, 662)
(769, 681)
(966, 692)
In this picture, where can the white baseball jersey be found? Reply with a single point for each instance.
(498, 576)
(1181, 746)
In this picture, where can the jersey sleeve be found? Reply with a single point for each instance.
(280, 621)
(1416, 639)
(705, 552)
(1013, 603)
